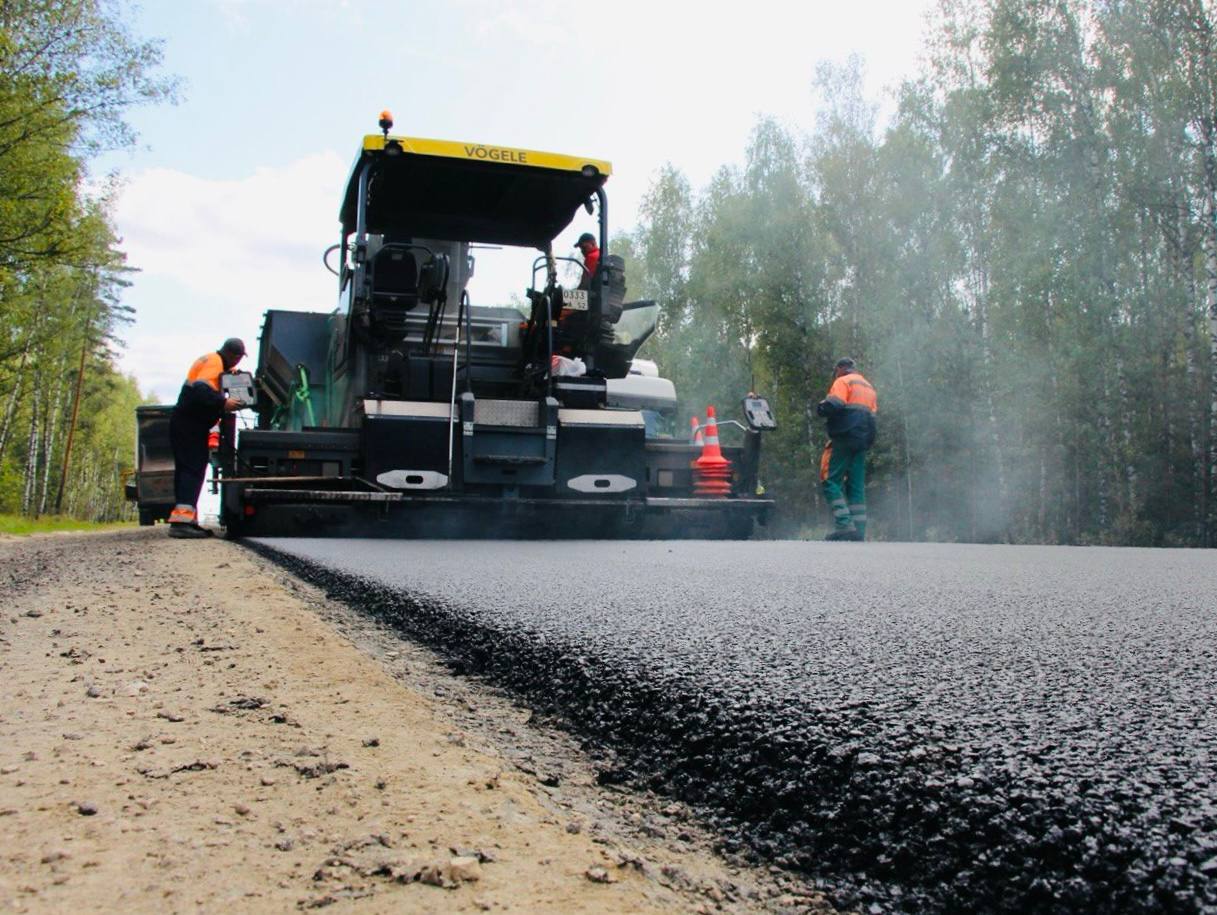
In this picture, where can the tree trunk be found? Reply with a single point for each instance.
(14, 398)
(1210, 286)
(1128, 489)
(986, 380)
(50, 429)
(1105, 447)
(1185, 269)
(1210, 520)
(908, 458)
(67, 450)
(31, 455)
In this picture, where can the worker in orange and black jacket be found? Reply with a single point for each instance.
(850, 409)
(591, 258)
(200, 404)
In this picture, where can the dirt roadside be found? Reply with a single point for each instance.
(186, 727)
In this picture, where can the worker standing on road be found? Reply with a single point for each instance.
(591, 258)
(200, 404)
(850, 409)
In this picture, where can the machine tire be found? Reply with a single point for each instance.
(146, 517)
(234, 526)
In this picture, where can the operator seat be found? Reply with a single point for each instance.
(611, 290)
(394, 289)
(395, 275)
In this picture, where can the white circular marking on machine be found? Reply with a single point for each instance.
(413, 479)
(605, 482)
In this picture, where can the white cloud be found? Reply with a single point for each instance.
(213, 255)
(538, 28)
(255, 240)
(160, 361)
(238, 14)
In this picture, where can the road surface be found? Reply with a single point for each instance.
(921, 726)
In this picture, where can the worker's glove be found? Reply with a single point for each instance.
(826, 408)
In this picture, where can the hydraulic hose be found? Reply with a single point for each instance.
(303, 393)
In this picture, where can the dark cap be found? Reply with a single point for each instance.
(846, 363)
(586, 236)
(233, 347)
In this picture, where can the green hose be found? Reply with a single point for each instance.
(303, 394)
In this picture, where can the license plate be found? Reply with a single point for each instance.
(574, 299)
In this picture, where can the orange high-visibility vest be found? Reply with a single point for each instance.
(854, 389)
(207, 368)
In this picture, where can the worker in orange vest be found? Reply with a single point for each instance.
(591, 258)
(850, 409)
(200, 404)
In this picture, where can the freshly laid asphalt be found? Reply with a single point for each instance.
(921, 727)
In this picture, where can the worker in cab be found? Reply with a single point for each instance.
(200, 404)
(571, 323)
(850, 409)
(591, 258)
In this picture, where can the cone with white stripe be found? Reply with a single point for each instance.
(712, 471)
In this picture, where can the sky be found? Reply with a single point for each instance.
(232, 194)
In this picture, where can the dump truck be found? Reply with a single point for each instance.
(412, 410)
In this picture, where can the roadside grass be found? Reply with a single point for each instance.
(20, 525)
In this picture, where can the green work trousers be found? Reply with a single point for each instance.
(844, 482)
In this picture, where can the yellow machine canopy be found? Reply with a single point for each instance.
(419, 188)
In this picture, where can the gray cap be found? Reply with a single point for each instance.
(233, 346)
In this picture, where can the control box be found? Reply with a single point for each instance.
(240, 387)
(758, 415)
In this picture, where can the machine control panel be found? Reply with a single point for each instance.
(240, 386)
(758, 414)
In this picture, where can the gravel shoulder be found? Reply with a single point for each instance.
(185, 726)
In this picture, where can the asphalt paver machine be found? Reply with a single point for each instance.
(412, 410)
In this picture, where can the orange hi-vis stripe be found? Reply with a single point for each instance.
(207, 368)
(861, 392)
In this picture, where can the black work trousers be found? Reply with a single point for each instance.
(188, 436)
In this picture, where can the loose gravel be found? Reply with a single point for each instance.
(187, 729)
(920, 727)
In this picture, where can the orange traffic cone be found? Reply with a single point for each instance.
(712, 471)
(695, 435)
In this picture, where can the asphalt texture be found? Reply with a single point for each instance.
(920, 727)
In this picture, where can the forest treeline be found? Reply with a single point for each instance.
(69, 69)
(1022, 258)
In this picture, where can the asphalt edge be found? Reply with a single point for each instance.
(863, 843)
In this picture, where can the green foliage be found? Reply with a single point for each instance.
(69, 69)
(20, 525)
(1017, 260)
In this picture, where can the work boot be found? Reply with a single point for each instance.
(189, 531)
(857, 512)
